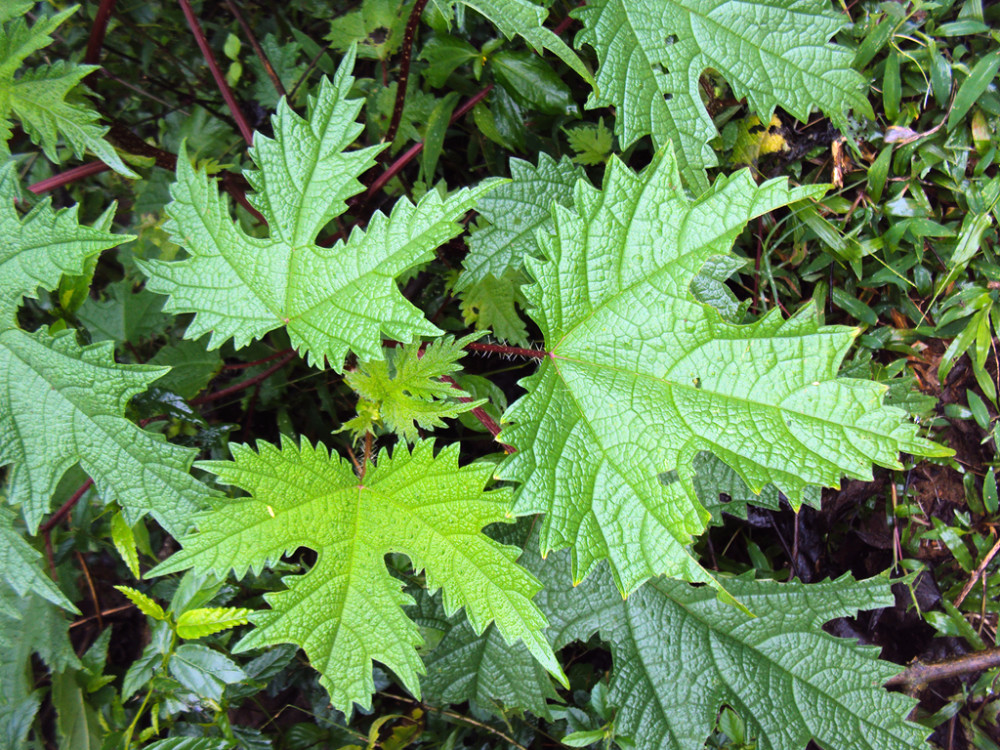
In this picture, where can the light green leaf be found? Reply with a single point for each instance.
(43, 245)
(197, 623)
(680, 655)
(21, 566)
(404, 391)
(81, 420)
(38, 96)
(516, 210)
(347, 610)
(653, 52)
(145, 605)
(331, 300)
(124, 541)
(491, 304)
(640, 377)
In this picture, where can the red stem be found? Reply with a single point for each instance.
(248, 383)
(404, 69)
(97, 32)
(479, 413)
(258, 50)
(213, 66)
(407, 156)
(564, 24)
(70, 175)
(245, 365)
(500, 349)
(65, 509)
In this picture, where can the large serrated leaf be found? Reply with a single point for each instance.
(347, 611)
(640, 377)
(38, 96)
(775, 53)
(680, 655)
(43, 245)
(62, 404)
(330, 300)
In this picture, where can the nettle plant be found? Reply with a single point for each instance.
(647, 386)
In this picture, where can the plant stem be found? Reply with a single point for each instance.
(258, 50)
(404, 70)
(245, 365)
(407, 156)
(919, 674)
(213, 66)
(248, 383)
(479, 413)
(510, 350)
(97, 31)
(977, 573)
(70, 175)
(65, 508)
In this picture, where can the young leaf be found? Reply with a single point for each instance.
(404, 391)
(640, 377)
(652, 54)
(680, 655)
(43, 245)
(491, 304)
(197, 623)
(145, 605)
(38, 97)
(62, 404)
(331, 300)
(347, 610)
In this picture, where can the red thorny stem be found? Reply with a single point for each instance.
(70, 175)
(244, 384)
(404, 69)
(213, 66)
(479, 413)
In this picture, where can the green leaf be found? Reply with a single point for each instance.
(592, 144)
(516, 210)
(973, 87)
(532, 83)
(77, 724)
(190, 743)
(192, 366)
(81, 420)
(203, 671)
(331, 300)
(680, 655)
(482, 667)
(491, 304)
(43, 245)
(640, 377)
(126, 315)
(145, 604)
(21, 565)
(523, 18)
(38, 96)
(376, 29)
(197, 623)
(347, 610)
(404, 391)
(124, 540)
(652, 54)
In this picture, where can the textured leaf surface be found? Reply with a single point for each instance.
(125, 315)
(43, 245)
(516, 211)
(680, 655)
(347, 610)
(331, 300)
(776, 53)
(641, 377)
(61, 404)
(21, 565)
(483, 668)
(404, 391)
(38, 96)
